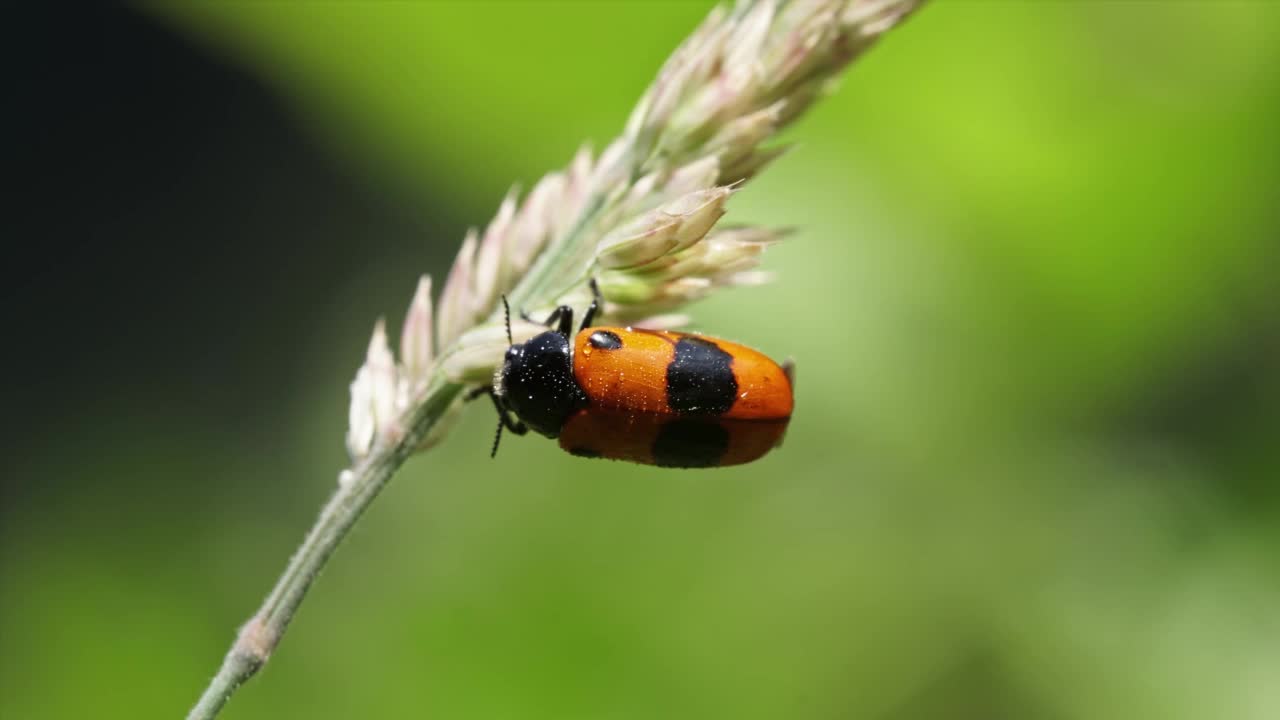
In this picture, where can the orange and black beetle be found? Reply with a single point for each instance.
(647, 396)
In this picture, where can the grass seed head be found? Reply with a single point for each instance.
(641, 217)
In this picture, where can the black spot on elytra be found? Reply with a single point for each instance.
(584, 452)
(690, 443)
(700, 378)
(605, 340)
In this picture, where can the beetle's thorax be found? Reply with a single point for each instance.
(536, 382)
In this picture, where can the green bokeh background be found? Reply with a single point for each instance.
(1032, 472)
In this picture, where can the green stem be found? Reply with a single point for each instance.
(555, 256)
(360, 485)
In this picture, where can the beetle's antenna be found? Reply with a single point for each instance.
(497, 436)
(506, 312)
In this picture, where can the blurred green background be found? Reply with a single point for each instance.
(1033, 470)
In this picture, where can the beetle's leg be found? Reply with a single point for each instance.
(789, 369)
(563, 316)
(596, 303)
(556, 315)
(506, 419)
(509, 419)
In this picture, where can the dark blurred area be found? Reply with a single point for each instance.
(175, 240)
(1032, 472)
(173, 231)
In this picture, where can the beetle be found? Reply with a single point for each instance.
(654, 397)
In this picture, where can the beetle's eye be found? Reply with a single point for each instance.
(512, 353)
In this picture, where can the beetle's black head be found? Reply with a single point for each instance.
(536, 382)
